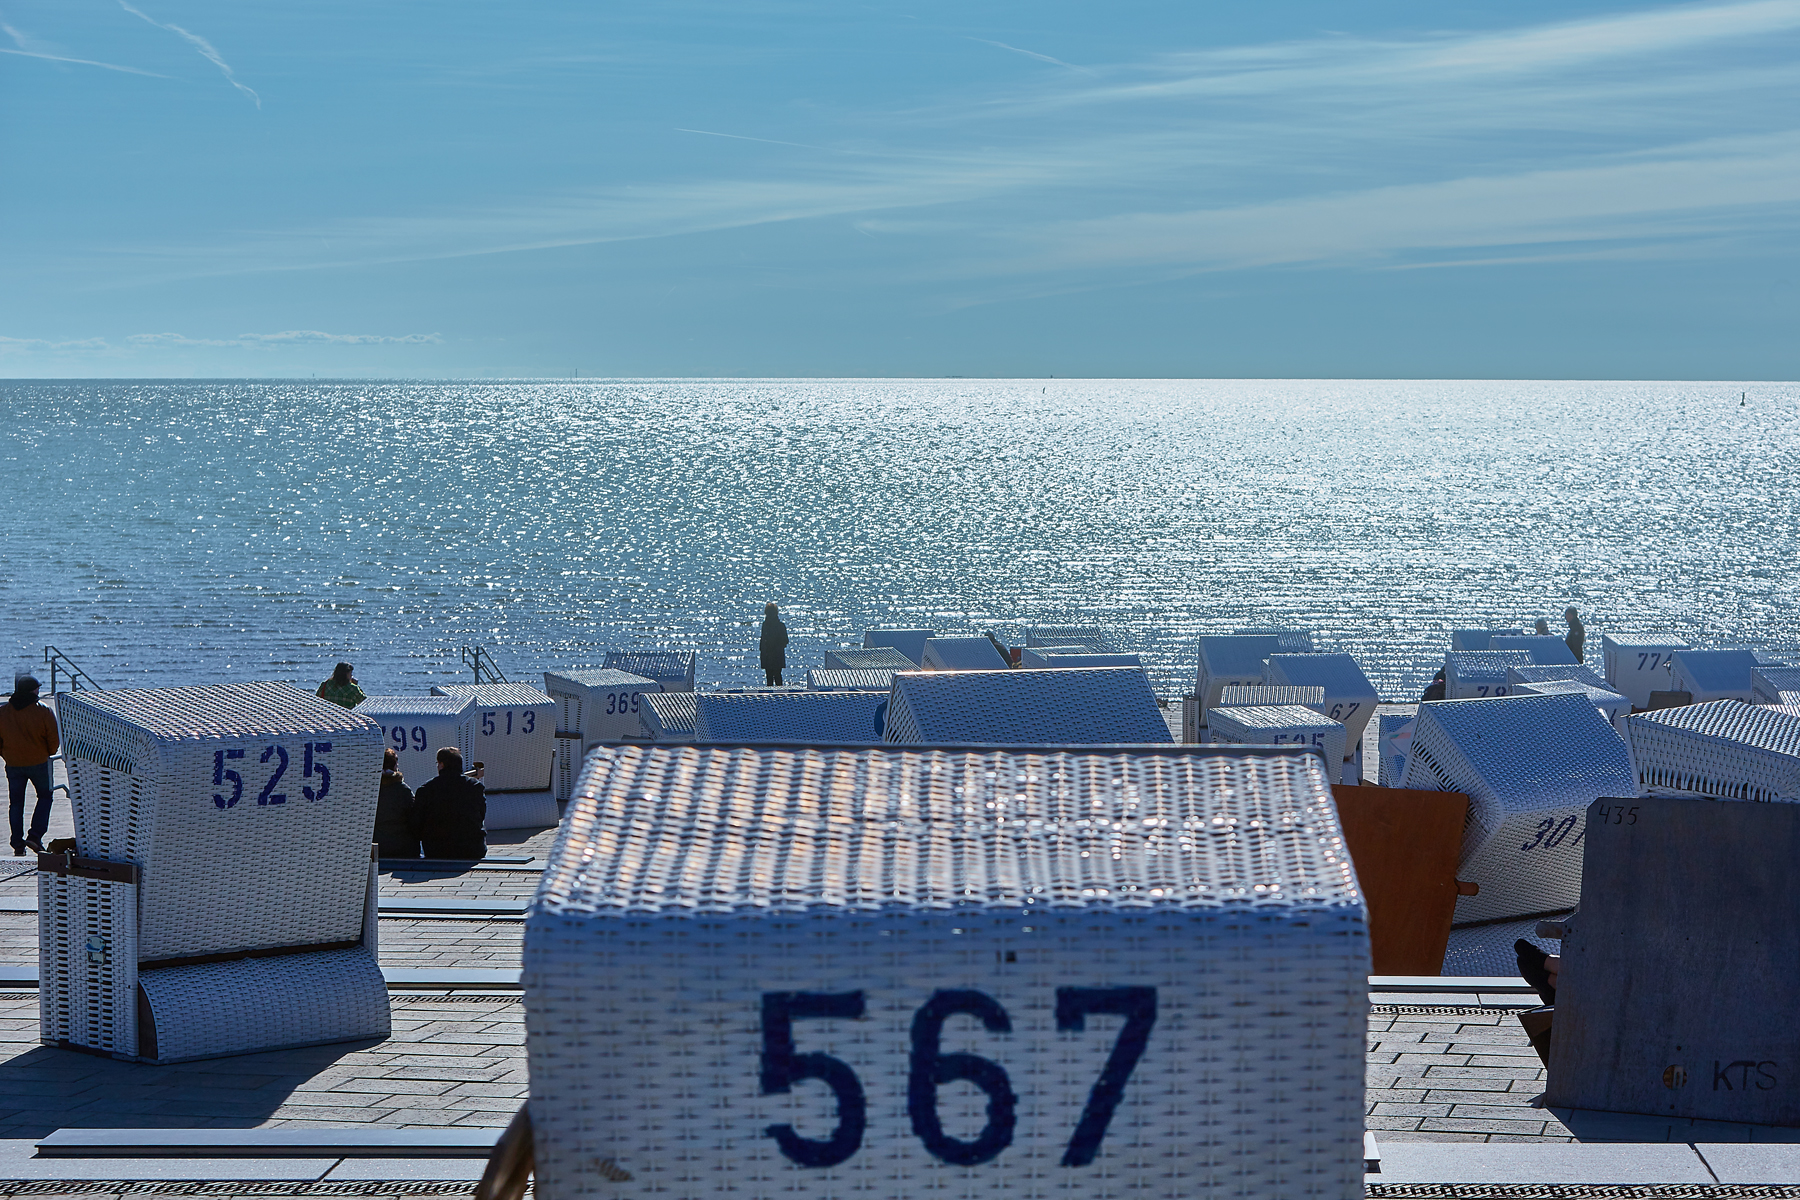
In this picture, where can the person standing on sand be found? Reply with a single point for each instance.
(773, 645)
(1577, 639)
(28, 737)
(341, 687)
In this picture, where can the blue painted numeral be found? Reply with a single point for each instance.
(220, 775)
(782, 1068)
(269, 795)
(312, 768)
(931, 1068)
(1138, 1006)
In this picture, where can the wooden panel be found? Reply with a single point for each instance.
(1677, 994)
(1405, 844)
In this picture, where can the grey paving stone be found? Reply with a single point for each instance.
(1499, 1163)
(1749, 1163)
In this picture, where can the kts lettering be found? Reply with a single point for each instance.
(1765, 1078)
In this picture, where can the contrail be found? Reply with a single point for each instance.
(199, 43)
(1029, 54)
(85, 62)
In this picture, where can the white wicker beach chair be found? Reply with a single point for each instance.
(808, 718)
(513, 731)
(1094, 638)
(415, 728)
(1545, 650)
(1052, 657)
(877, 658)
(1231, 658)
(1638, 664)
(673, 669)
(1723, 748)
(910, 642)
(1478, 639)
(1543, 674)
(669, 716)
(963, 654)
(1259, 694)
(599, 703)
(1087, 706)
(1610, 704)
(1712, 674)
(1530, 766)
(1774, 685)
(1288, 641)
(1349, 696)
(794, 974)
(1393, 737)
(861, 679)
(216, 827)
(1480, 674)
(1282, 725)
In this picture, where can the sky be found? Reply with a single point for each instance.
(1392, 188)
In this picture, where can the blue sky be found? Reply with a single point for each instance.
(192, 187)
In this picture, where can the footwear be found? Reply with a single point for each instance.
(35, 844)
(1531, 969)
(18, 849)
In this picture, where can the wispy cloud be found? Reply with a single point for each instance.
(290, 337)
(30, 47)
(206, 49)
(13, 345)
(1033, 54)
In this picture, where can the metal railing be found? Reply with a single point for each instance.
(58, 662)
(486, 670)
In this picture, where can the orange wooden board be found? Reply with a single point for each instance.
(1405, 845)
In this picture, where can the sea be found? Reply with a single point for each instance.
(164, 532)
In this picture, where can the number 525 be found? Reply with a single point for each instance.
(929, 1068)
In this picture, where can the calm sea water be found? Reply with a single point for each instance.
(173, 532)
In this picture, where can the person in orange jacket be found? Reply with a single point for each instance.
(28, 737)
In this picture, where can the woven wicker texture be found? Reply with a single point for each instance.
(1479, 674)
(415, 728)
(1288, 641)
(1772, 685)
(1349, 696)
(1478, 639)
(1231, 658)
(867, 679)
(1542, 674)
(215, 1009)
(1085, 707)
(87, 963)
(1052, 657)
(1393, 736)
(1712, 674)
(1610, 704)
(698, 899)
(249, 808)
(1530, 766)
(669, 716)
(1253, 695)
(673, 669)
(1723, 748)
(601, 704)
(512, 730)
(1638, 664)
(1282, 725)
(910, 642)
(1092, 637)
(856, 718)
(876, 658)
(962, 654)
(1546, 650)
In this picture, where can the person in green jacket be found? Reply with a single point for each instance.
(341, 687)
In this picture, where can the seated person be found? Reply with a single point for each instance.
(448, 811)
(394, 832)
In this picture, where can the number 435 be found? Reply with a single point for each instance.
(929, 1068)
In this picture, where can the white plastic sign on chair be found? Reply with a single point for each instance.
(1545, 650)
(804, 974)
(963, 654)
(1349, 696)
(910, 642)
(1480, 674)
(1637, 665)
(1712, 674)
(824, 718)
(513, 731)
(1086, 706)
(1530, 766)
(1722, 748)
(415, 728)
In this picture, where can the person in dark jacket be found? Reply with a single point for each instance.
(774, 645)
(1577, 639)
(394, 830)
(448, 811)
(1436, 690)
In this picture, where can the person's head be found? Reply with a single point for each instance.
(1543, 626)
(769, 609)
(342, 674)
(390, 762)
(25, 691)
(449, 761)
(1571, 616)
